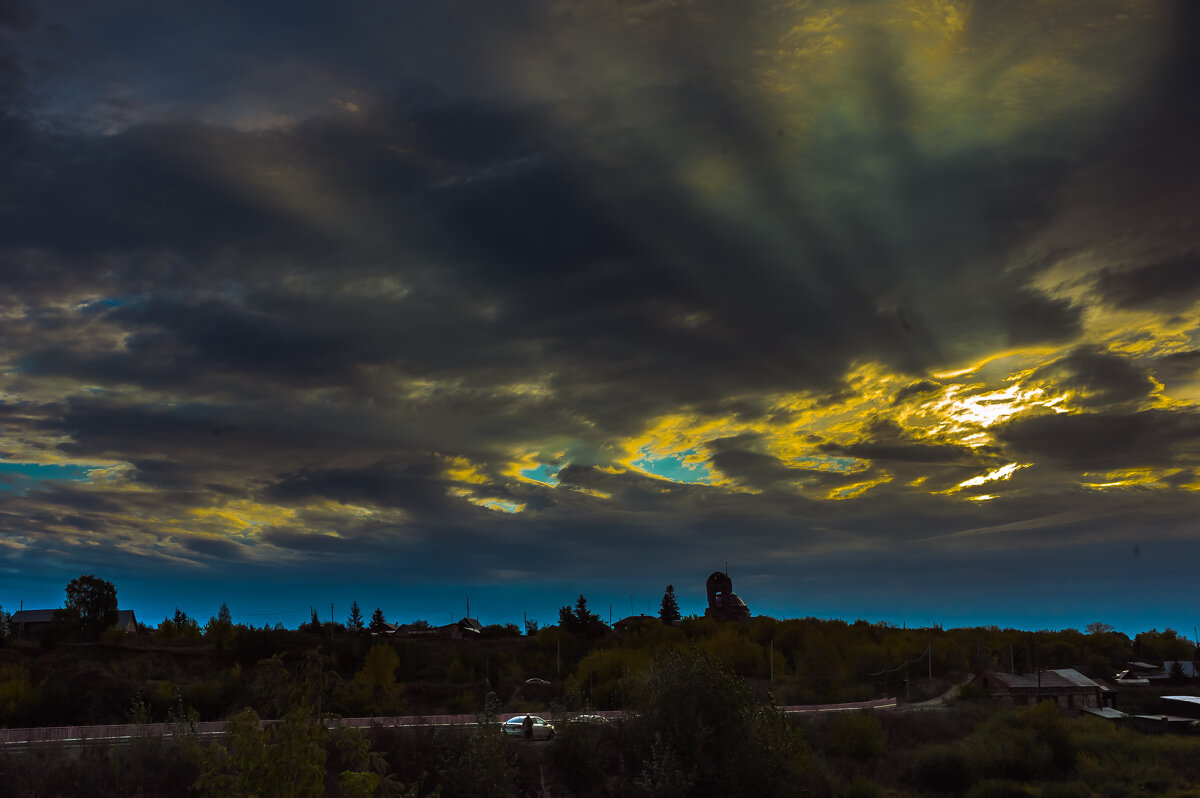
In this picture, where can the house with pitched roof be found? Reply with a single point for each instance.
(1067, 687)
(31, 623)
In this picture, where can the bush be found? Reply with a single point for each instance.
(286, 759)
(857, 735)
(486, 767)
(862, 787)
(18, 697)
(1007, 751)
(970, 692)
(147, 766)
(941, 768)
(1026, 743)
(584, 757)
(699, 731)
(1068, 789)
(999, 788)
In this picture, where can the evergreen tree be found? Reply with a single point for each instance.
(581, 620)
(355, 622)
(669, 611)
(378, 622)
(185, 625)
(219, 630)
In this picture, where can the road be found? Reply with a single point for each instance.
(120, 733)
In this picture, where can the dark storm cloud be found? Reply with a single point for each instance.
(1180, 365)
(1159, 438)
(15, 16)
(918, 388)
(554, 253)
(414, 483)
(1173, 283)
(330, 293)
(887, 442)
(323, 545)
(216, 548)
(570, 280)
(1102, 378)
(755, 469)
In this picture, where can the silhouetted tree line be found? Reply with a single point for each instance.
(580, 662)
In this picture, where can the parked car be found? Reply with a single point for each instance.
(515, 727)
(596, 720)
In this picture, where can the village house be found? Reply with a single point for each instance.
(1067, 687)
(31, 623)
(465, 629)
(634, 621)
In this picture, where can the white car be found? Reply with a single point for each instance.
(515, 727)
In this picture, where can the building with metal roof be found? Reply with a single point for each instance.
(1067, 687)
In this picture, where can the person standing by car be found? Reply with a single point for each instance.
(527, 728)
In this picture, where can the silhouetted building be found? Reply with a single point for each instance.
(634, 621)
(30, 623)
(1067, 687)
(466, 629)
(723, 603)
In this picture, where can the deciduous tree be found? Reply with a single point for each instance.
(91, 605)
(284, 759)
(376, 683)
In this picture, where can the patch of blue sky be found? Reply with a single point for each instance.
(842, 465)
(19, 476)
(679, 467)
(543, 473)
(501, 505)
(103, 303)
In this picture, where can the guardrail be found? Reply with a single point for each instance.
(848, 706)
(127, 731)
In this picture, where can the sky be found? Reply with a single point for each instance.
(889, 307)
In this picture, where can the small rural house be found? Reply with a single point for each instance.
(30, 623)
(1067, 687)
